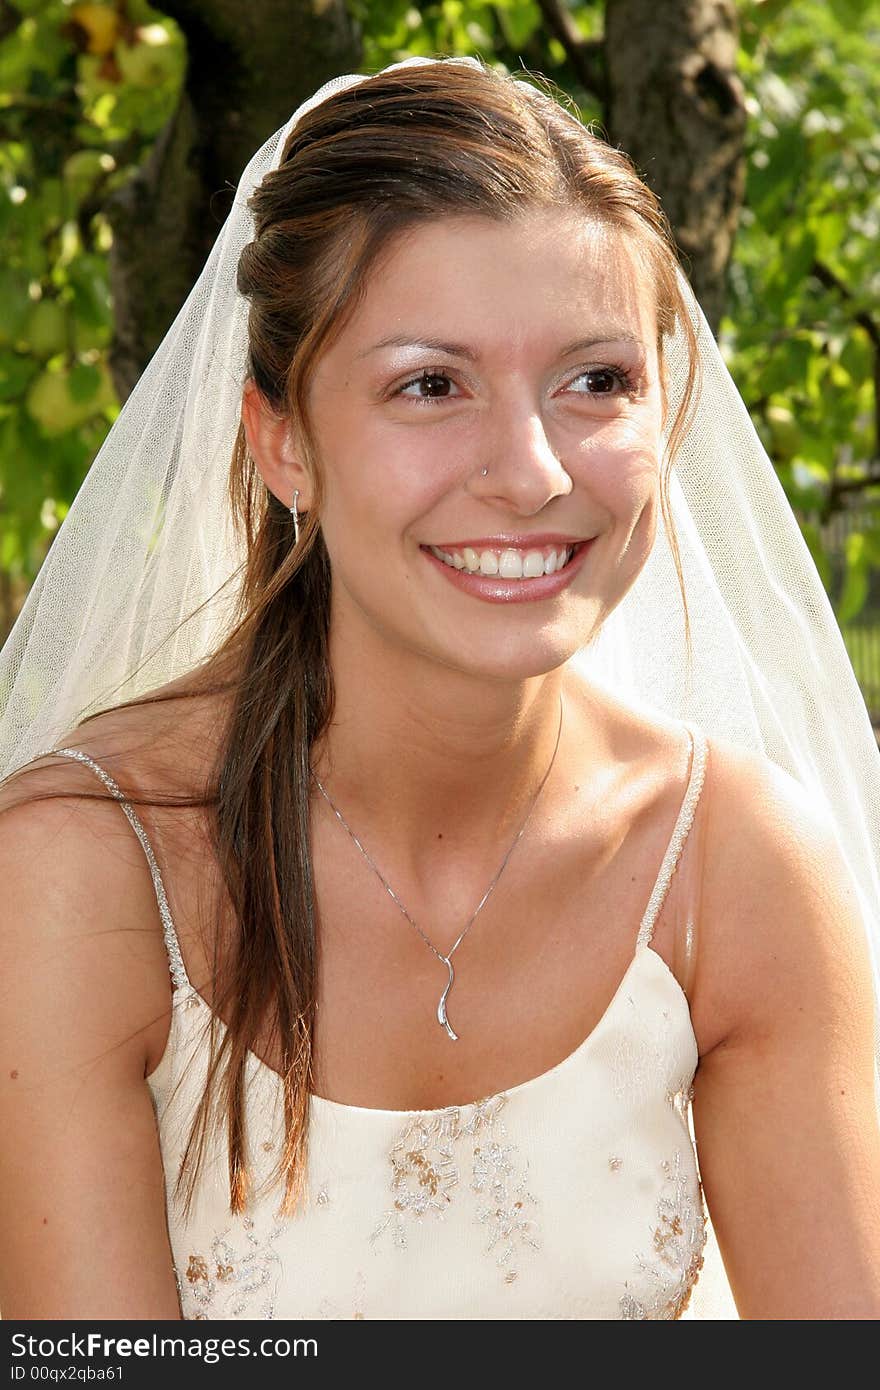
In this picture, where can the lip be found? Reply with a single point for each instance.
(514, 542)
(493, 589)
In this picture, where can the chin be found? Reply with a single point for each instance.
(512, 661)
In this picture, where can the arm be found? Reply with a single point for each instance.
(82, 1198)
(784, 1107)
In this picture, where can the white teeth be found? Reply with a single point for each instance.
(509, 564)
(471, 559)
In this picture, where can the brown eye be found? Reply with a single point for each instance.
(432, 381)
(609, 376)
(608, 379)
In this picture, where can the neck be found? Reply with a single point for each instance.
(426, 762)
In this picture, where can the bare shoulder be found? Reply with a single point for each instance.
(781, 922)
(87, 918)
(82, 956)
(81, 931)
(783, 1008)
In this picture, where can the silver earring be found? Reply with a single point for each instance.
(485, 471)
(295, 517)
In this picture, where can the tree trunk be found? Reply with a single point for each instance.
(249, 67)
(674, 103)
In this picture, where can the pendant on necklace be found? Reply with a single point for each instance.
(441, 1007)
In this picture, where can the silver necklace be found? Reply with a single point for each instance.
(447, 961)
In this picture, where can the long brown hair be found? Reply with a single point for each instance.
(404, 148)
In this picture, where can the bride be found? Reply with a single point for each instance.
(380, 963)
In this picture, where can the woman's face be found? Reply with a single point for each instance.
(527, 350)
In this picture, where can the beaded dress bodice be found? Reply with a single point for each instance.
(573, 1195)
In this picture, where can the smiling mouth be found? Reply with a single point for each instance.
(508, 563)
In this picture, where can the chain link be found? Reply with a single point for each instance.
(445, 958)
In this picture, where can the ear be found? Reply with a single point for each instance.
(271, 442)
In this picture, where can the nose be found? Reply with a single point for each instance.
(523, 472)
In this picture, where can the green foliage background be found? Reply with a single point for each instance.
(85, 88)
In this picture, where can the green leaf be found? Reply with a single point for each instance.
(849, 12)
(798, 254)
(87, 275)
(16, 371)
(520, 22)
(766, 12)
(872, 546)
(829, 230)
(856, 357)
(84, 382)
(855, 584)
(770, 187)
(16, 304)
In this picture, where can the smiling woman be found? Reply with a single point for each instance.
(504, 921)
(519, 437)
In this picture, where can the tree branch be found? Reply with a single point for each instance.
(587, 56)
(854, 484)
(10, 19)
(827, 277)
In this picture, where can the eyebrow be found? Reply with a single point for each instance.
(612, 335)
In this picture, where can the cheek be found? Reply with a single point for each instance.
(373, 502)
(622, 474)
(386, 481)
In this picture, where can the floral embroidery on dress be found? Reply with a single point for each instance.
(229, 1282)
(681, 1099)
(427, 1160)
(678, 1240)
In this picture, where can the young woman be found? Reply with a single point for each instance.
(458, 920)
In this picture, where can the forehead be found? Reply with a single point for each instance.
(547, 276)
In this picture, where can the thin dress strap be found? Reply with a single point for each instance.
(679, 834)
(172, 945)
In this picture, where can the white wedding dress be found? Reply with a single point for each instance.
(573, 1195)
